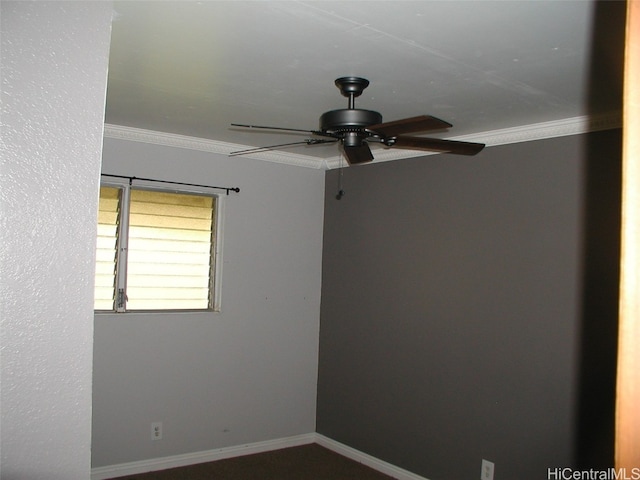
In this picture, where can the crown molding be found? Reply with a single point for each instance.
(505, 136)
(525, 133)
(205, 145)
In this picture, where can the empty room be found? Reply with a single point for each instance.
(391, 229)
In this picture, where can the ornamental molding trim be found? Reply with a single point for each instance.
(525, 133)
(205, 145)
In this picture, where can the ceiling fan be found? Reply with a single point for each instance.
(355, 128)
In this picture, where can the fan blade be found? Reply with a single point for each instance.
(438, 145)
(309, 141)
(422, 123)
(319, 133)
(359, 154)
(273, 128)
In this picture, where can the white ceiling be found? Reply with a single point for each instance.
(194, 67)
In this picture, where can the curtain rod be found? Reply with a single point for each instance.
(131, 179)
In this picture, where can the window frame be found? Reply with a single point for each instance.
(215, 257)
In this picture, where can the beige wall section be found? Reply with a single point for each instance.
(628, 413)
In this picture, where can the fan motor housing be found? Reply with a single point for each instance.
(345, 120)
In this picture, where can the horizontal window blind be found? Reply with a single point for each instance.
(106, 248)
(169, 253)
(155, 250)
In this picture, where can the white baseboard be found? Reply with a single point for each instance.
(155, 464)
(365, 459)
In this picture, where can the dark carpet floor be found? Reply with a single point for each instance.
(307, 462)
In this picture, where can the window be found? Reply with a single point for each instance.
(155, 251)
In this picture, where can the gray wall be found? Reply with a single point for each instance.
(453, 324)
(243, 375)
(54, 75)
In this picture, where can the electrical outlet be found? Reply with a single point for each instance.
(486, 473)
(156, 431)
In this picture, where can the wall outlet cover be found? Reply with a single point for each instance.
(156, 431)
(486, 473)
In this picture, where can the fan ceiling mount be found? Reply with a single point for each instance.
(354, 128)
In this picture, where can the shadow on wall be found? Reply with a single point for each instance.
(595, 420)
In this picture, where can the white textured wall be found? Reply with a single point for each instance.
(246, 374)
(54, 68)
